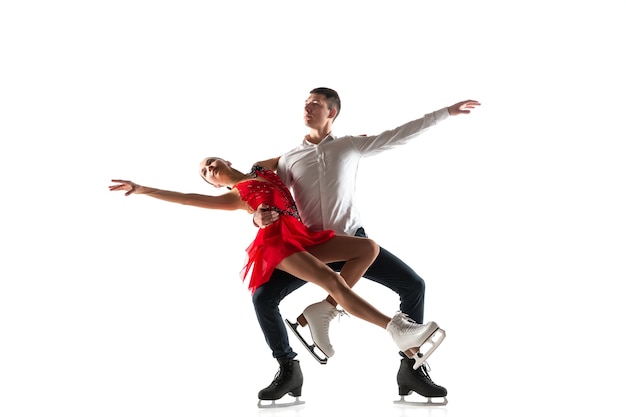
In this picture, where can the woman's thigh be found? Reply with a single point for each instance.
(308, 268)
(342, 248)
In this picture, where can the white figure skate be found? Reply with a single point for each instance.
(318, 317)
(411, 337)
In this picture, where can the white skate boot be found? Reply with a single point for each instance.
(318, 317)
(411, 337)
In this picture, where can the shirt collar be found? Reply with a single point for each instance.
(328, 137)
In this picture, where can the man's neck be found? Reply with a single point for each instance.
(315, 136)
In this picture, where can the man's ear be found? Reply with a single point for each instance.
(332, 113)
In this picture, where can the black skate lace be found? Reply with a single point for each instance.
(279, 377)
(276, 378)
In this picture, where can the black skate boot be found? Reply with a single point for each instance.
(288, 380)
(419, 381)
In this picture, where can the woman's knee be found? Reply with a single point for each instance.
(336, 284)
(370, 248)
(374, 248)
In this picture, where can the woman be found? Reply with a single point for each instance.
(289, 245)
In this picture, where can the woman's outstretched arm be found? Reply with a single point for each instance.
(227, 201)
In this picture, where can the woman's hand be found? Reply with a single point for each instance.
(128, 186)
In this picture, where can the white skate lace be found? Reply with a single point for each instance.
(425, 370)
(331, 316)
(336, 312)
(407, 322)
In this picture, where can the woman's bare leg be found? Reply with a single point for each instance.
(358, 252)
(408, 335)
(309, 268)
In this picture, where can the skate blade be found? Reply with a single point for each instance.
(432, 343)
(310, 347)
(274, 404)
(436, 401)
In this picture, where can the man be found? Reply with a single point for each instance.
(322, 172)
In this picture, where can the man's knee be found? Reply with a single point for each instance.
(419, 284)
(263, 297)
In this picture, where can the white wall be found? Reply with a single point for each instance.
(114, 306)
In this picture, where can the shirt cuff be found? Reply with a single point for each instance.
(441, 115)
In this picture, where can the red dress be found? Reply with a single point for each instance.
(280, 239)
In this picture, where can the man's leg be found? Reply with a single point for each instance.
(393, 273)
(266, 300)
(390, 271)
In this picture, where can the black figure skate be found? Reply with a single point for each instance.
(288, 380)
(418, 381)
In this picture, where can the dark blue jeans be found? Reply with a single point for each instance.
(387, 270)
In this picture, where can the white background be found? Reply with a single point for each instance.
(514, 215)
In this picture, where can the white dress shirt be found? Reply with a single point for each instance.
(323, 177)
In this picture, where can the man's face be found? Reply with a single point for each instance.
(316, 111)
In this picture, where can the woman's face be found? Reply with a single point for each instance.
(212, 170)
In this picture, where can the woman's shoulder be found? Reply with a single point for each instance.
(259, 169)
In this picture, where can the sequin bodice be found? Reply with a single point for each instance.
(269, 189)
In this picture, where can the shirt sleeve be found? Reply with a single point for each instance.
(389, 139)
(282, 170)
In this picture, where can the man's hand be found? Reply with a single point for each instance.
(263, 216)
(462, 107)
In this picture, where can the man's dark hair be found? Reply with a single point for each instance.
(332, 98)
